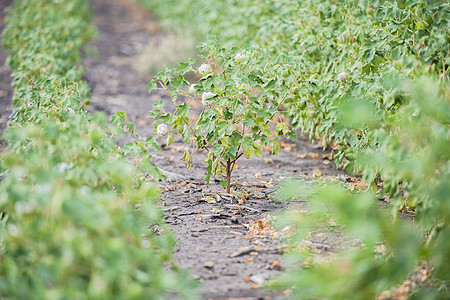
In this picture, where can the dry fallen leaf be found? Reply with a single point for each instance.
(328, 156)
(283, 144)
(178, 148)
(258, 175)
(261, 226)
(267, 184)
(301, 155)
(314, 155)
(355, 183)
(207, 199)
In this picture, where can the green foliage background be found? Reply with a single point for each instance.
(369, 79)
(76, 220)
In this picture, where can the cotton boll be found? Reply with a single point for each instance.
(206, 96)
(192, 88)
(342, 76)
(162, 130)
(204, 69)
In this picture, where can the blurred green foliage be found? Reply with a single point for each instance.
(370, 80)
(77, 222)
(413, 151)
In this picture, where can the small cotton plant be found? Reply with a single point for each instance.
(237, 108)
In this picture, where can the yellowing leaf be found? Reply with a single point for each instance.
(249, 153)
(170, 140)
(275, 148)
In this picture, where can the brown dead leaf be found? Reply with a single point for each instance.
(314, 155)
(278, 166)
(327, 156)
(316, 174)
(283, 144)
(142, 122)
(207, 199)
(261, 226)
(254, 286)
(257, 175)
(178, 148)
(237, 212)
(301, 155)
(355, 183)
(247, 280)
(267, 184)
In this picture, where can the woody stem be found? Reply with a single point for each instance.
(229, 169)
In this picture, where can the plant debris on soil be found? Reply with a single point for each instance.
(225, 240)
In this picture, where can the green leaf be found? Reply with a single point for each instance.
(258, 152)
(168, 118)
(282, 129)
(224, 183)
(158, 103)
(275, 148)
(178, 82)
(185, 134)
(151, 141)
(152, 85)
(183, 68)
(249, 152)
(183, 110)
(247, 143)
(154, 113)
(130, 128)
(217, 149)
(170, 140)
(293, 136)
(118, 119)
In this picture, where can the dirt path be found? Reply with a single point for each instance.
(213, 239)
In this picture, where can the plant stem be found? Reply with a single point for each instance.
(229, 169)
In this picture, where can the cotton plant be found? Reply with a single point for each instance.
(234, 121)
